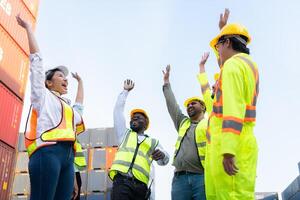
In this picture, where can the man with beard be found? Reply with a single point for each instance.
(189, 157)
(130, 170)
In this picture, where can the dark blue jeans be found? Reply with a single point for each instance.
(51, 172)
(188, 187)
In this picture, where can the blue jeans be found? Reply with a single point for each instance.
(51, 172)
(188, 186)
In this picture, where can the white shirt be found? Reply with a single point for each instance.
(121, 130)
(44, 101)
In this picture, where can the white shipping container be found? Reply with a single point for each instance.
(22, 162)
(98, 137)
(21, 184)
(97, 181)
(112, 140)
(98, 158)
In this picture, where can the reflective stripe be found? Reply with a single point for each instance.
(124, 143)
(208, 136)
(202, 144)
(218, 94)
(140, 153)
(255, 73)
(218, 110)
(204, 87)
(154, 143)
(232, 126)
(79, 154)
(135, 166)
(250, 113)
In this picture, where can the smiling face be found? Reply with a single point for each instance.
(195, 109)
(58, 82)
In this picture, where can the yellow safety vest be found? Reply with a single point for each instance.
(64, 131)
(79, 158)
(135, 157)
(200, 137)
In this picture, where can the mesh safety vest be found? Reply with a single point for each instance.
(79, 158)
(134, 157)
(200, 137)
(64, 131)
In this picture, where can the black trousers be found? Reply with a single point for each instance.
(79, 183)
(125, 188)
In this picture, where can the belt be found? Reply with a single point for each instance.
(129, 178)
(179, 173)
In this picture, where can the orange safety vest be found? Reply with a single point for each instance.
(64, 131)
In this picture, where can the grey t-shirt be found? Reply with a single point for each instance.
(187, 158)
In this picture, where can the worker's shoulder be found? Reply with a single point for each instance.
(238, 62)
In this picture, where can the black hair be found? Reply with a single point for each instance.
(49, 74)
(236, 44)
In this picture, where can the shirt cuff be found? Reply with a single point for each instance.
(35, 57)
(78, 107)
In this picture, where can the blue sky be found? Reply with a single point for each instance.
(109, 41)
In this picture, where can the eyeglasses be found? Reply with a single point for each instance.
(219, 42)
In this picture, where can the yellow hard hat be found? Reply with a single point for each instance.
(139, 110)
(216, 76)
(231, 29)
(189, 100)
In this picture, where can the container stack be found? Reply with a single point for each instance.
(292, 192)
(14, 68)
(266, 196)
(99, 147)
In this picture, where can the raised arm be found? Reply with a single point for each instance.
(37, 75)
(172, 105)
(205, 87)
(80, 92)
(78, 106)
(119, 119)
(33, 46)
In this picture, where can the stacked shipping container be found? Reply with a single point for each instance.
(14, 67)
(99, 146)
(292, 192)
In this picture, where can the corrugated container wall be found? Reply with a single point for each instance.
(10, 116)
(32, 6)
(7, 159)
(9, 9)
(13, 64)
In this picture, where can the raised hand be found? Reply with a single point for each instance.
(128, 84)
(22, 22)
(76, 76)
(203, 61)
(167, 74)
(224, 18)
